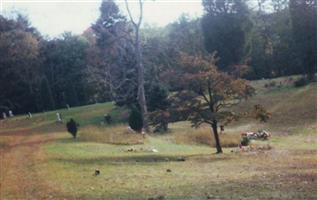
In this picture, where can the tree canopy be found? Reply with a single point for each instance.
(263, 39)
(207, 93)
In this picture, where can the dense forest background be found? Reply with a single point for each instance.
(252, 39)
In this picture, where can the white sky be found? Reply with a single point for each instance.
(53, 17)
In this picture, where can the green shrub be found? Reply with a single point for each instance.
(261, 113)
(136, 120)
(157, 98)
(159, 120)
(301, 82)
(245, 141)
(72, 127)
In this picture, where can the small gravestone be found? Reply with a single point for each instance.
(58, 118)
(4, 115)
(143, 133)
(11, 113)
(29, 115)
(67, 106)
(154, 150)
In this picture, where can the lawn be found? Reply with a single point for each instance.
(281, 173)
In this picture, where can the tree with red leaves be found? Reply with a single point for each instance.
(207, 94)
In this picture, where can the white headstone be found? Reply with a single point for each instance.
(58, 117)
(29, 115)
(154, 150)
(11, 113)
(4, 115)
(68, 107)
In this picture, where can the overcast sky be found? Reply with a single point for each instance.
(53, 17)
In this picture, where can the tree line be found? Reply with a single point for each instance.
(250, 39)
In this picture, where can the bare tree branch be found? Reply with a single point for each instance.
(129, 12)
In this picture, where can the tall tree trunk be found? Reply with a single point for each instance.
(216, 135)
(138, 51)
(141, 92)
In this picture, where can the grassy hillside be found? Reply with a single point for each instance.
(294, 110)
(291, 108)
(41, 161)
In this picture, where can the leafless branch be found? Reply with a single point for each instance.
(129, 12)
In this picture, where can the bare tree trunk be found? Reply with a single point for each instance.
(216, 135)
(138, 51)
(141, 92)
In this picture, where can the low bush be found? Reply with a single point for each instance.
(107, 119)
(157, 97)
(245, 141)
(159, 120)
(301, 82)
(135, 120)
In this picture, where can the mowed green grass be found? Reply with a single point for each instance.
(281, 173)
(287, 171)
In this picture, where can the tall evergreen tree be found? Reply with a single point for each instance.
(269, 43)
(304, 21)
(225, 24)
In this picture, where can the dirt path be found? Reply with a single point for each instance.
(19, 177)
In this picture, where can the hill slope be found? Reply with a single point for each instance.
(293, 109)
(39, 160)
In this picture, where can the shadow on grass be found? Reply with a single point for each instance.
(148, 158)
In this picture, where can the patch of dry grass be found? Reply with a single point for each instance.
(4, 141)
(111, 135)
(205, 136)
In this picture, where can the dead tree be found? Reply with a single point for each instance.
(139, 61)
